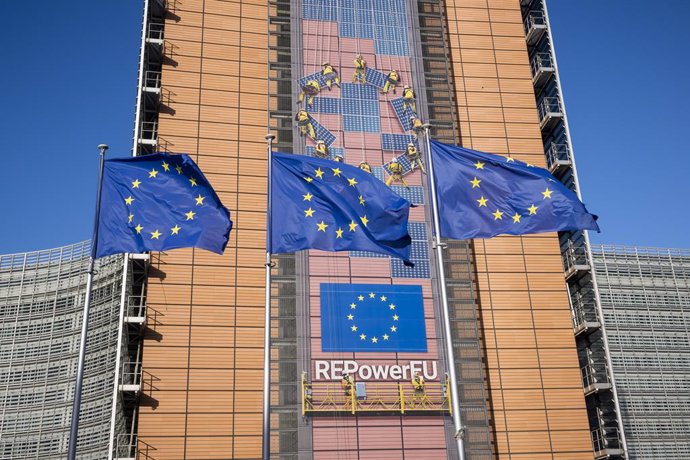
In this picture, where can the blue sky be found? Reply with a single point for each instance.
(70, 80)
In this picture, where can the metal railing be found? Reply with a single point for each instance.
(148, 132)
(152, 79)
(549, 106)
(155, 32)
(534, 19)
(130, 373)
(591, 376)
(136, 306)
(557, 154)
(541, 62)
(605, 439)
(380, 397)
(126, 446)
(575, 258)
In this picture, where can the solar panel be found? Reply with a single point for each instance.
(420, 269)
(397, 142)
(402, 114)
(325, 105)
(322, 133)
(314, 76)
(414, 194)
(375, 77)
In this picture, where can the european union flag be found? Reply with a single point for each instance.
(323, 204)
(372, 317)
(483, 195)
(159, 202)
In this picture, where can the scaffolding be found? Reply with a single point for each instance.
(376, 397)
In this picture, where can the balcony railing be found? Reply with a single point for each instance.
(148, 132)
(130, 376)
(585, 316)
(154, 34)
(606, 443)
(594, 380)
(125, 447)
(152, 81)
(575, 260)
(558, 158)
(550, 113)
(542, 68)
(535, 26)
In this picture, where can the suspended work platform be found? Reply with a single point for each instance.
(374, 397)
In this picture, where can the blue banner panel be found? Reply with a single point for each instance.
(372, 317)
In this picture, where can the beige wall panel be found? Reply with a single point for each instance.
(180, 47)
(478, 56)
(528, 441)
(513, 359)
(526, 420)
(208, 447)
(211, 379)
(565, 419)
(474, 27)
(222, 7)
(163, 425)
(506, 29)
(210, 358)
(511, 15)
(569, 440)
(564, 399)
(176, 31)
(508, 338)
(209, 424)
(510, 43)
(472, 14)
(219, 82)
(467, 41)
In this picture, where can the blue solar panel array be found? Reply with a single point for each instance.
(402, 114)
(414, 194)
(326, 105)
(419, 255)
(322, 133)
(397, 142)
(375, 78)
(384, 21)
(314, 76)
(360, 108)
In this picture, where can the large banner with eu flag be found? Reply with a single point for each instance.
(372, 317)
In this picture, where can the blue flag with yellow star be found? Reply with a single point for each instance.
(159, 202)
(323, 204)
(372, 317)
(481, 195)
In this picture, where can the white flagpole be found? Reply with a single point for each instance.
(450, 355)
(76, 405)
(267, 314)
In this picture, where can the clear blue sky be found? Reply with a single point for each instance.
(69, 73)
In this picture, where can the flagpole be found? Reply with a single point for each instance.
(450, 355)
(76, 405)
(266, 440)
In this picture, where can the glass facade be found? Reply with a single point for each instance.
(645, 297)
(41, 303)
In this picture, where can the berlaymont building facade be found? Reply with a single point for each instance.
(175, 368)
